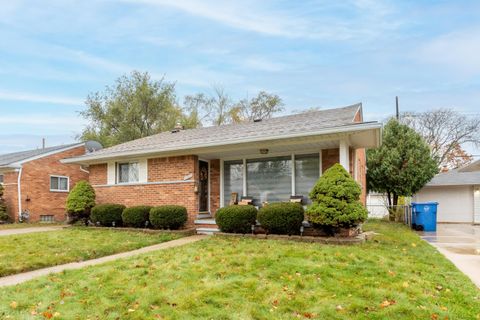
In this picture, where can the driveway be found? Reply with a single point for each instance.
(460, 243)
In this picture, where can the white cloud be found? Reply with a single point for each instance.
(458, 51)
(31, 97)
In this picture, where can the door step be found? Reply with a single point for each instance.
(206, 226)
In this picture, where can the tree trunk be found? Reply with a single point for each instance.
(391, 209)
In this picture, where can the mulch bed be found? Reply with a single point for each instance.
(361, 238)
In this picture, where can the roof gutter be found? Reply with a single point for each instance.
(339, 129)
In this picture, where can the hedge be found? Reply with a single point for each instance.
(281, 218)
(168, 217)
(136, 216)
(236, 219)
(107, 214)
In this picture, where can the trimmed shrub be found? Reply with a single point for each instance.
(335, 199)
(136, 216)
(281, 218)
(107, 213)
(236, 219)
(80, 201)
(168, 217)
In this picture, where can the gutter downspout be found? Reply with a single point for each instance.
(83, 169)
(19, 193)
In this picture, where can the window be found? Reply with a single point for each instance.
(307, 172)
(269, 179)
(59, 183)
(233, 179)
(127, 172)
(46, 218)
(1, 178)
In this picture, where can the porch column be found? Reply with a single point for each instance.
(344, 154)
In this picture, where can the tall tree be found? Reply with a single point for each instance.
(262, 106)
(445, 131)
(402, 165)
(135, 107)
(219, 108)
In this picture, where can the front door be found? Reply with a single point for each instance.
(203, 186)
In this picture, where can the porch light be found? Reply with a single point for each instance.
(264, 151)
(302, 228)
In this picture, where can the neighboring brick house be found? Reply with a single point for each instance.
(36, 181)
(267, 160)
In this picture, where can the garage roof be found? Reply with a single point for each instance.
(455, 178)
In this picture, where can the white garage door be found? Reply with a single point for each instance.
(455, 202)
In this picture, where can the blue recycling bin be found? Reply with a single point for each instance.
(424, 216)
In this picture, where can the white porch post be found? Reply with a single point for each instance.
(344, 154)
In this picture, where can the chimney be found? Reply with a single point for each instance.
(178, 127)
(43, 143)
(444, 169)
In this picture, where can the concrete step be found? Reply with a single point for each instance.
(207, 230)
(205, 221)
(204, 215)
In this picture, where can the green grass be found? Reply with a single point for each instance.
(230, 278)
(25, 252)
(28, 225)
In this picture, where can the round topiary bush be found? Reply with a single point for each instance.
(236, 219)
(335, 199)
(281, 218)
(80, 201)
(136, 216)
(107, 214)
(168, 217)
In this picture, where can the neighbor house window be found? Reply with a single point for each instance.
(233, 179)
(46, 218)
(269, 179)
(307, 172)
(59, 183)
(127, 172)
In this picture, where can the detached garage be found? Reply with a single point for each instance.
(458, 195)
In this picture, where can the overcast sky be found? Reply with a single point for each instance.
(311, 53)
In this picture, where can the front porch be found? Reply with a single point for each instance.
(275, 171)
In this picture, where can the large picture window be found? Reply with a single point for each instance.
(233, 180)
(127, 172)
(272, 179)
(307, 172)
(269, 179)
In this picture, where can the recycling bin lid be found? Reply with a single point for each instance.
(425, 203)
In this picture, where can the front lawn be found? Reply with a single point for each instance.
(396, 276)
(28, 225)
(25, 252)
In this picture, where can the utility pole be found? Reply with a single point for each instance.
(396, 104)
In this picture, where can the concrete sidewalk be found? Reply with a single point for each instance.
(460, 243)
(22, 277)
(9, 232)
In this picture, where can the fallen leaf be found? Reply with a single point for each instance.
(13, 304)
(339, 308)
(387, 303)
(434, 316)
(47, 315)
(405, 284)
(414, 244)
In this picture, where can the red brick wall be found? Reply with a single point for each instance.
(159, 170)
(35, 184)
(10, 184)
(214, 185)
(98, 173)
(362, 173)
(329, 158)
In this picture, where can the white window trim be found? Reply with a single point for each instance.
(59, 190)
(117, 172)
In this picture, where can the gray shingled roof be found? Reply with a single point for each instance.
(474, 166)
(455, 178)
(11, 158)
(291, 124)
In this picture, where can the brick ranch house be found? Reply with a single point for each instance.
(36, 181)
(267, 160)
